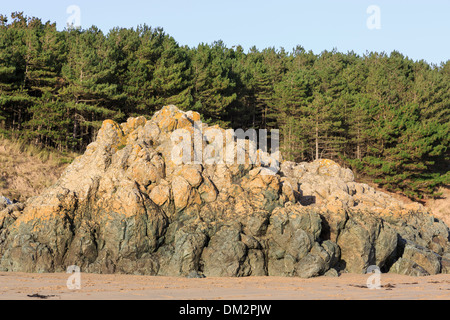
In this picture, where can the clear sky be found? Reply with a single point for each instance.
(418, 29)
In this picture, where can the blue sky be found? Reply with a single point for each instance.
(418, 29)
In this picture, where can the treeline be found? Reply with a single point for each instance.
(386, 116)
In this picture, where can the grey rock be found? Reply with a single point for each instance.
(445, 264)
(310, 266)
(332, 273)
(418, 256)
(195, 275)
(126, 207)
(409, 268)
(225, 254)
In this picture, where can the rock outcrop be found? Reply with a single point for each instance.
(126, 206)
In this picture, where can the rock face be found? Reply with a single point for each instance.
(125, 206)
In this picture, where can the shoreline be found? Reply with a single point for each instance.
(19, 286)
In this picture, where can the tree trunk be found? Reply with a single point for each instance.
(358, 146)
(290, 141)
(317, 141)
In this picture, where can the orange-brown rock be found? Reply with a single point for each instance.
(160, 194)
(127, 206)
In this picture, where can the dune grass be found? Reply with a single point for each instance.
(26, 169)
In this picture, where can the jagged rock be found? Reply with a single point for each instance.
(332, 273)
(195, 275)
(187, 250)
(160, 194)
(422, 260)
(445, 264)
(4, 202)
(409, 268)
(365, 240)
(128, 206)
(225, 254)
(294, 235)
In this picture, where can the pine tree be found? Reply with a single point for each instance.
(386, 116)
(291, 96)
(14, 98)
(240, 112)
(212, 83)
(269, 68)
(124, 47)
(170, 81)
(89, 89)
(324, 114)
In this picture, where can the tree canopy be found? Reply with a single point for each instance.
(384, 115)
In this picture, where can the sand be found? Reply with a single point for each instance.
(19, 286)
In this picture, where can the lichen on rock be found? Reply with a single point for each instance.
(126, 206)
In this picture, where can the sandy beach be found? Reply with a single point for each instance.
(21, 286)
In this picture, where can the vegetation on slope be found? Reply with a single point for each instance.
(25, 170)
(386, 116)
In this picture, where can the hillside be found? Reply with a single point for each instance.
(26, 170)
(441, 207)
(382, 114)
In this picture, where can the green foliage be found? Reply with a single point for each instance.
(386, 116)
(212, 81)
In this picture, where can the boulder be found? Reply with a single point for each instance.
(417, 260)
(365, 240)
